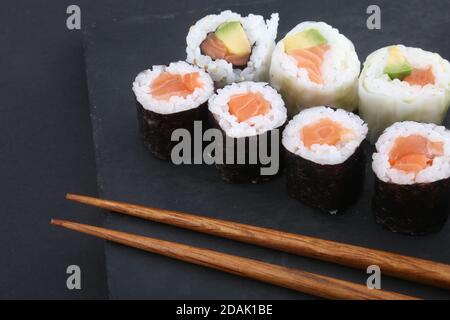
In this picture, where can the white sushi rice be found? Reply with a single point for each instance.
(260, 33)
(440, 168)
(340, 70)
(275, 118)
(325, 154)
(144, 80)
(383, 101)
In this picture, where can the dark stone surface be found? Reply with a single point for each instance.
(116, 51)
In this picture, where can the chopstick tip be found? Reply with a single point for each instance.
(70, 196)
(56, 222)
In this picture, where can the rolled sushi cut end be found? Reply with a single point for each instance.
(315, 65)
(233, 48)
(412, 184)
(247, 109)
(325, 160)
(400, 83)
(244, 111)
(169, 98)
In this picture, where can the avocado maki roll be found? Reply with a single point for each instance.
(249, 115)
(169, 98)
(412, 169)
(400, 83)
(315, 65)
(232, 48)
(325, 160)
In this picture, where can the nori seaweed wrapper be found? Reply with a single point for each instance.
(330, 188)
(156, 128)
(417, 209)
(246, 173)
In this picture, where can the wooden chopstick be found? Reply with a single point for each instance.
(313, 284)
(396, 265)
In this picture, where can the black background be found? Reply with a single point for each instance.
(46, 144)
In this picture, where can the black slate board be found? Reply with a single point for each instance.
(117, 50)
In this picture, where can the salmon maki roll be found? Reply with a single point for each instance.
(400, 83)
(169, 98)
(249, 116)
(315, 65)
(233, 48)
(412, 178)
(325, 160)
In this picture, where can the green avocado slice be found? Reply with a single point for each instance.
(303, 40)
(232, 34)
(397, 66)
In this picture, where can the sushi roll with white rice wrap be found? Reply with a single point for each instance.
(169, 98)
(325, 160)
(399, 83)
(232, 48)
(243, 112)
(315, 65)
(412, 183)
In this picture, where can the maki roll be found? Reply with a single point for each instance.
(248, 114)
(412, 169)
(325, 160)
(399, 84)
(169, 98)
(315, 65)
(233, 48)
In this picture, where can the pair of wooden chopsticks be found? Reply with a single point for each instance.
(413, 269)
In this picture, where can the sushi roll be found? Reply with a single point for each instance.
(233, 48)
(412, 171)
(315, 65)
(403, 84)
(248, 113)
(169, 98)
(325, 160)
